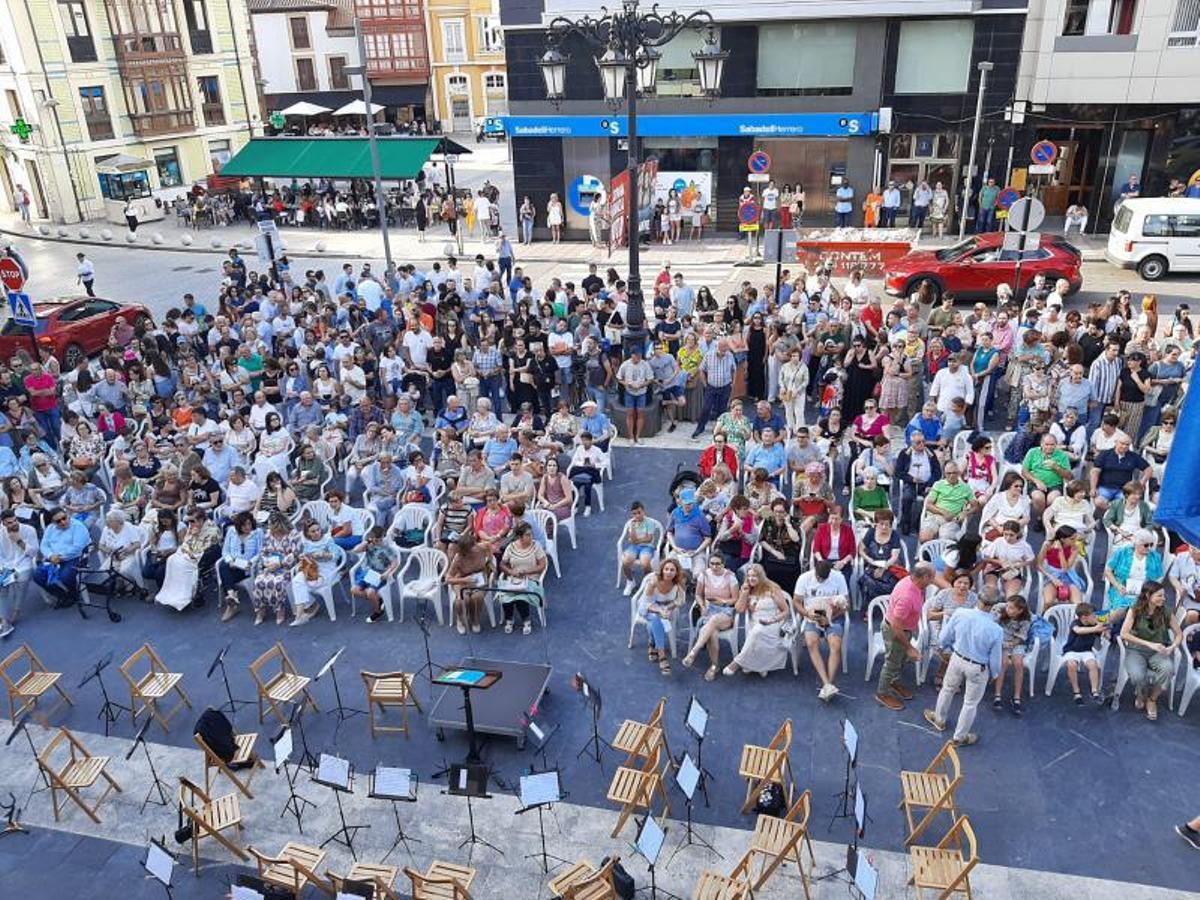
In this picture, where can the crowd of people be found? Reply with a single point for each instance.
(895, 463)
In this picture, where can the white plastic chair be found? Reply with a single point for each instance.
(493, 601)
(569, 522)
(410, 517)
(549, 524)
(1060, 617)
(933, 551)
(321, 512)
(325, 590)
(1191, 675)
(925, 639)
(430, 565)
(875, 647)
(654, 560)
(387, 590)
(1123, 676)
(1080, 566)
(608, 467)
(635, 619)
(962, 443)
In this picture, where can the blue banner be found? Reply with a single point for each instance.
(1179, 499)
(767, 125)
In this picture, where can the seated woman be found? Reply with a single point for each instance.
(274, 446)
(944, 604)
(833, 541)
(83, 500)
(1151, 635)
(864, 429)
(980, 469)
(366, 449)
(1157, 443)
(280, 550)
(483, 424)
(85, 451)
(119, 545)
(1128, 568)
(643, 536)
(760, 492)
(781, 543)
(129, 493)
(822, 597)
(768, 608)
(717, 594)
(199, 545)
(554, 491)
(311, 474)
(170, 493)
(718, 453)
(1009, 504)
(379, 566)
(869, 497)
(812, 497)
(1057, 560)
(469, 572)
(203, 491)
(521, 567)
(1073, 510)
(882, 557)
(563, 426)
(277, 497)
(493, 524)
(659, 597)
(162, 541)
(316, 569)
(734, 426)
(47, 483)
(1128, 514)
(735, 533)
(1005, 558)
(241, 547)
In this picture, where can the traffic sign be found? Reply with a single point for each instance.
(748, 216)
(759, 162)
(22, 309)
(1008, 197)
(758, 178)
(1044, 153)
(1026, 214)
(11, 274)
(1022, 241)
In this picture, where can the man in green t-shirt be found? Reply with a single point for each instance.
(1046, 467)
(948, 505)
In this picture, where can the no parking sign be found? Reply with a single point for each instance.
(759, 162)
(1008, 197)
(748, 216)
(1044, 153)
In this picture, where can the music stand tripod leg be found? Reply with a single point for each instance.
(543, 855)
(473, 838)
(401, 837)
(344, 835)
(295, 803)
(156, 784)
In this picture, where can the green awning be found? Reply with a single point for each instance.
(330, 157)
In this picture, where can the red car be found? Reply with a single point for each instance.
(974, 267)
(74, 327)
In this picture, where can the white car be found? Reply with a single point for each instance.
(1156, 235)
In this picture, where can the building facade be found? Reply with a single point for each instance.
(824, 87)
(105, 99)
(466, 44)
(397, 55)
(1115, 84)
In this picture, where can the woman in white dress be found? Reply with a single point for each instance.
(119, 545)
(183, 566)
(766, 646)
(319, 555)
(554, 217)
(273, 449)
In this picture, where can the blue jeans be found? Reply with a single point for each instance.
(985, 220)
(716, 401)
(1095, 414)
(490, 387)
(599, 395)
(506, 266)
(842, 219)
(658, 631)
(887, 216)
(50, 421)
(527, 230)
(916, 218)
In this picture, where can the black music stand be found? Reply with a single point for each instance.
(538, 734)
(469, 680)
(282, 745)
(650, 839)
(12, 817)
(159, 864)
(297, 719)
(230, 704)
(22, 726)
(688, 778)
(843, 808)
(157, 784)
(397, 786)
(470, 780)
(860, 830)
(338, 775)
(111, 711)
(423, 624)
(114, 584)
(696, 719)
(594, 746)
(342, 711)
(539, 790)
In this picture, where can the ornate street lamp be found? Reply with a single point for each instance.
(628, 62)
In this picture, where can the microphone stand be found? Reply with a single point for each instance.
(306, 758)
(231, 704)
(157, 784)
(111, 711)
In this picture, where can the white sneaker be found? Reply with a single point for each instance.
(460, 627)
(6, 629)
(587, 511)
(826, 691)
(628, 587)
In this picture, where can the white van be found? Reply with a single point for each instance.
(1156, 235)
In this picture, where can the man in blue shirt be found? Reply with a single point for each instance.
(766, 417)
(220, 458)
(689, 527)
(974, 640)
(499, 449)
(928, 423)
(769, 455)
(62, 549)
(595, 423)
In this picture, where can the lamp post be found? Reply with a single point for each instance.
(380, 200)
(628, 65)
(984, 67)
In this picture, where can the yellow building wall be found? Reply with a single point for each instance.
(476, 64)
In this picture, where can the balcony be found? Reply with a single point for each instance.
(201, 41)
(214, 113)
(149, 47)
(160, 123)
(81, 48)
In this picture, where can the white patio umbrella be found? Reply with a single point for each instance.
(358, 108)
(304, 108)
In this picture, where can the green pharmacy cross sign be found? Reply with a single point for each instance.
(277, 120)
(22, 130)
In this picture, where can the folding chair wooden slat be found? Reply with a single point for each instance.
(583, 881)
(284, 686)
(441, 881)
(945, 870)
(293, 869)
(780, 840)
(29, 686)
(761, 766)
(715, 886)
(931, 791)
(634, 789)
(156, 683)
(389, 690)
(80, 771)
(211, 818)
(383, 877)
(637, 739)
(214, 765)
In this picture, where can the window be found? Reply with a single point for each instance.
(396, 51)
(166, 160)
(1185, 226)
(389, 9)
(458, 84)
(78, 30)
(494, 81)
(195, 13)
(1095, 17)
(306, 75)
(454, 45)
(219, 153)
(95, 113)
(210, 99)
(1185, 27)
(948, 41)
(124, 186)
(298, 25)
(784, 72)
(677, 74)
(491, 35)
(338, 79)
(1171, 226)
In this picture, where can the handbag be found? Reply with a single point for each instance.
(898, 571)
(622, 882)
(309, 568)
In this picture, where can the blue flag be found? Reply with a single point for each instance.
(1179, 499)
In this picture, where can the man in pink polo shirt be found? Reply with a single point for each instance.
(42, 389)
(900, 624)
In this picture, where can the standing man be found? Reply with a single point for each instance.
(86, 274)
(42, 389)
(891, 205)
(635, 377)
(844, 205)
(921, 199)
(770, 206)
(21, 201)
(986, 219)
(1104, 374)
(900, 624)
(716, 375)
(973, 640)
(504, 257)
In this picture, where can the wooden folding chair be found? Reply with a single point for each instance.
(293, 869)
(381, 876)
(389, 689)
(638, 739)
(634, 789)
(214, 765)
(777, 841)
(27, 680)
(283, 687)
(209, 818)
(947, 867)
(155, 683)
(79, 772)
(715, 886)
(583, 881)
(761, 766)
(441, 881)
(931, 790)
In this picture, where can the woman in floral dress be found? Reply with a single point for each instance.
(280, 551)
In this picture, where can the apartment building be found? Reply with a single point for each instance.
(466, 44)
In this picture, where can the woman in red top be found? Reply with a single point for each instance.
(736, 532)
(718, 452)
(834, 540)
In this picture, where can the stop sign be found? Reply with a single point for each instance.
(10, 274)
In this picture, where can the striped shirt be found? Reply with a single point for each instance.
(486, 361)
(718, 368)
(1104, 375)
